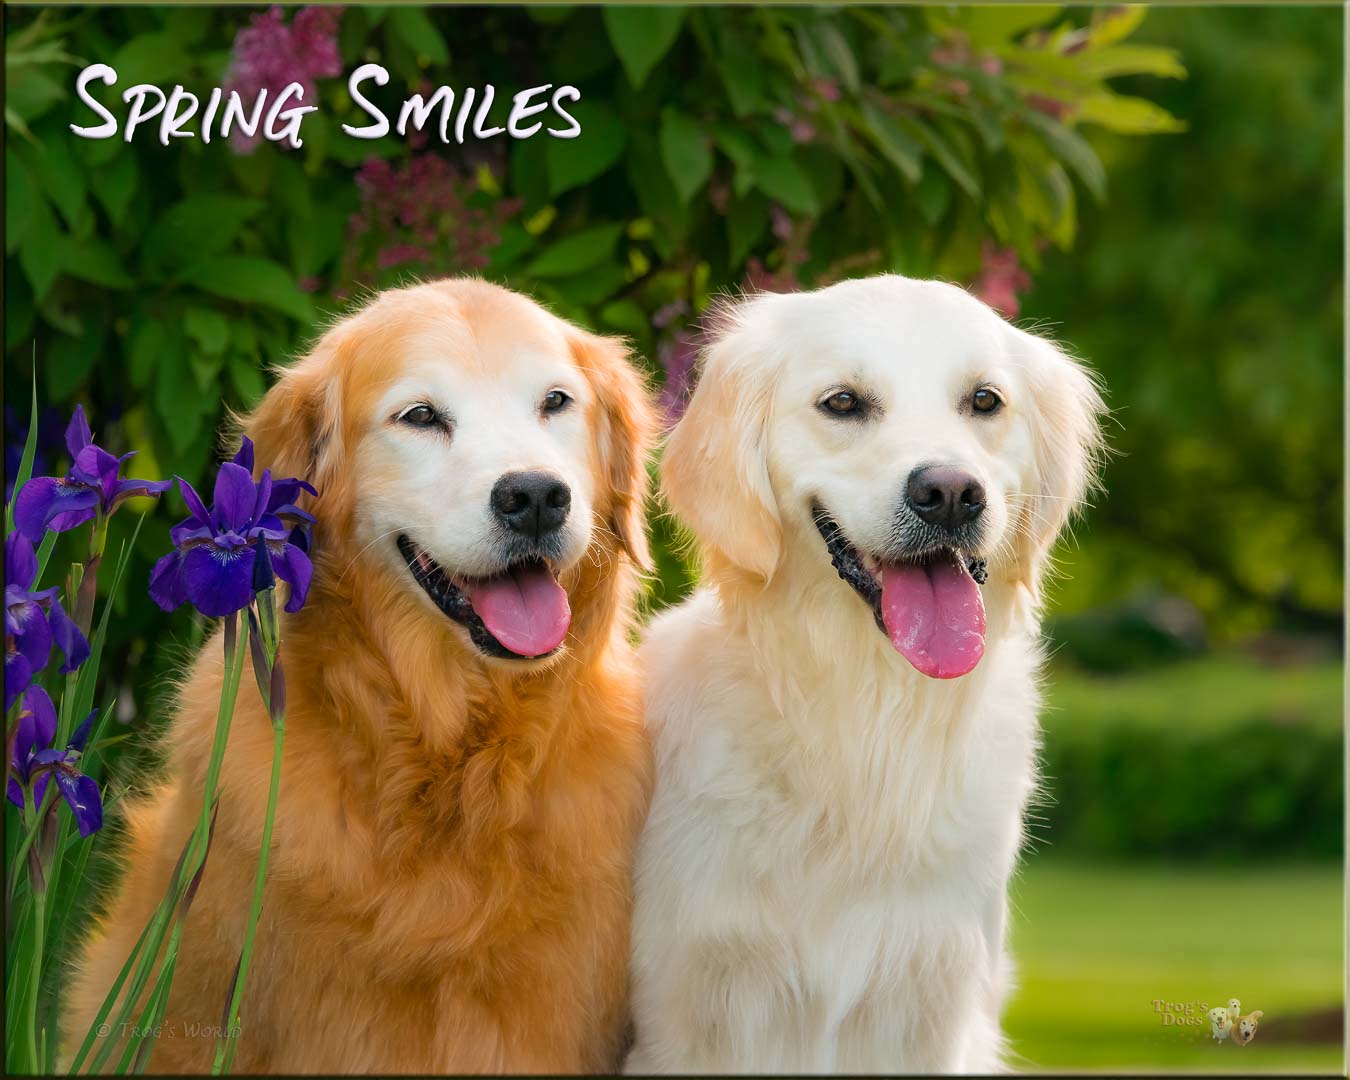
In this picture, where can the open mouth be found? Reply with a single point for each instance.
(928, 606)
(521, 613)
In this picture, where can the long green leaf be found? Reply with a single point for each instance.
(29, 452)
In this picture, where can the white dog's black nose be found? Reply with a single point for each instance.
(944, 495)
(533, 504)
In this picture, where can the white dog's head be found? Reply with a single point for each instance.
(897, 428)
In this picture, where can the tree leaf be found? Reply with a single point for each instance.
(747, 220)
(40, 251)
(1107, 63)
(148, 345)
(575, 253)
(943, 153)
(94, 261)
(1127, 115)
(116, 185)
(685, 152)
(247, 379)
(209, 329)
(1072, 149)
(898, 147)
(641, 36)
(250, 280)
(19, 200)
(419, 33)
(572, 162)
(203, 224)
(742, 75)
(781, 178)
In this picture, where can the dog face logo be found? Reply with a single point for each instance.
(1245, 1031)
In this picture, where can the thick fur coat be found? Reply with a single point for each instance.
(450, 880)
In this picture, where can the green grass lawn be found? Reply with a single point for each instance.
(1096, 944)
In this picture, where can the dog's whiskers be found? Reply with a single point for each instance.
(358, 555)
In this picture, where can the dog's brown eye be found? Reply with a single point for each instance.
(419, 416)
(843, 403)
(555, 401)
(985, 400)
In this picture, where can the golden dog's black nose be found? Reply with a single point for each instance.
(533, 504)
(944, 495)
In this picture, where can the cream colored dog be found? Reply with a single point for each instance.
(843, 764)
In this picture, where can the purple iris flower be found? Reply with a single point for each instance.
(94, 486)
(33, 620)
(212, 564)
(33, 762)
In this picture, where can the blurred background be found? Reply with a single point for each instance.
(1159, 188)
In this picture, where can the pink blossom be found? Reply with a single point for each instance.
(1050, 106)
(759, 278)
(679, 358)
(424, 213)
(952, 52)
(802, 131)
(269, 55)
(828, 89)
(1001, 279)
(781, 222)
(668, 313)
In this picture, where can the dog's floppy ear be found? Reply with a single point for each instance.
(715, 470)
(1066, 408)
(625, 430)
(295, 428)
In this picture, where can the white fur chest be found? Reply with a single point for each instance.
(827, 855)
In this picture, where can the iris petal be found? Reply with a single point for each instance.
(166, 582)
(36, 728)
(20, 561)
(130, 489)
(293, 567)
(81, 795)
(234, 498)
(195, 506)
(47, 502)
(18, 675)
(34, 640)
(68, 637)
(244, 458)
(81, 735)
(217, 581)
(77, 433)
(260, 500)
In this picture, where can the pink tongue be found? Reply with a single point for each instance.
(934, 615)
(525, 609)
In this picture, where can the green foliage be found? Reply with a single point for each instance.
(159, 283)
(1220, 758)
(1211, 302)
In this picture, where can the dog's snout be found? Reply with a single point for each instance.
(944, 495)
(533, 504)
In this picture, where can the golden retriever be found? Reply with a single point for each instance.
(465, 771)
(843, 764)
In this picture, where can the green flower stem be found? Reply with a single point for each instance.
(48, 797)
(31, 991)
(195, 853)
(226, 1044)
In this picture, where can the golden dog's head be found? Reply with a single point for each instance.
(473, 452)
(897, 429)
